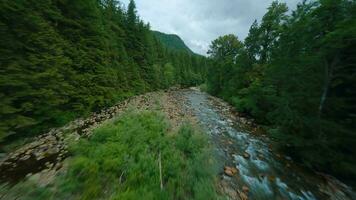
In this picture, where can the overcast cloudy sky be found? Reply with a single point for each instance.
(198, 22)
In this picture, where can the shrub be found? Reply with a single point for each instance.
(121, 161)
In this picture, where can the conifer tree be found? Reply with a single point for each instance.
(63, 59)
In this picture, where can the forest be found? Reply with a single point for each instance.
(295, 75)
(63, 59)
(171, 41)
(97, 104)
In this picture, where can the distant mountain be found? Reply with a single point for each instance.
(172, 41)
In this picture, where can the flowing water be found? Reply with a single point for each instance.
(268, 176)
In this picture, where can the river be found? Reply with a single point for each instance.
(266, 174)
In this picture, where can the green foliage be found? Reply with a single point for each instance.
(122, 158)
(121, 161)
(293, 74)
(27, 190)
(203, 87)
(171, 41)
(62, 59)
(224, 52)
(168, 75)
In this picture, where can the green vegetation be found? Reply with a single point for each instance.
(121, 161)
(296, 75)
(63, 59)
(171, 41)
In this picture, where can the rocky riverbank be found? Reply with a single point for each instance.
(47, 151)
(248, 168)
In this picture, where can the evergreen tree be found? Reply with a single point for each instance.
(294, 75)
(63, 59)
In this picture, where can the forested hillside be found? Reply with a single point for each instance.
(171, 41)
(295, 74)
(96, 105)
(63, 59)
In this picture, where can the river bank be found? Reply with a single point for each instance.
(248, 167)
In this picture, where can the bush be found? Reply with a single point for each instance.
(121, 161)
(204, 87)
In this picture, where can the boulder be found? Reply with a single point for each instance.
(243, 196)
(246, 155)
(230, 171)
(245, 189)
(24, 158)
(53, 150)
(260, 156)
(271, 178)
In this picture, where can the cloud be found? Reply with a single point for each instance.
(198, 22)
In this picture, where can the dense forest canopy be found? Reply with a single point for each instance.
(295, 73)
(62, 59)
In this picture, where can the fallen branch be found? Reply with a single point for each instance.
(122, 174)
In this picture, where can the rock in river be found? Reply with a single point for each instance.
(246, 155)
(245, 189)
(230, 171)
(243, 196)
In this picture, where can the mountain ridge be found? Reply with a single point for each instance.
(172, 41)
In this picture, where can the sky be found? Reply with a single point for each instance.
(198, 22)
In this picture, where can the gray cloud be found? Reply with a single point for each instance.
(198, 22)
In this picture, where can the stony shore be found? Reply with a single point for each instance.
(47, 151)
(45, 157)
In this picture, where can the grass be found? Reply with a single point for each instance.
(203, 87)
(121, 161)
